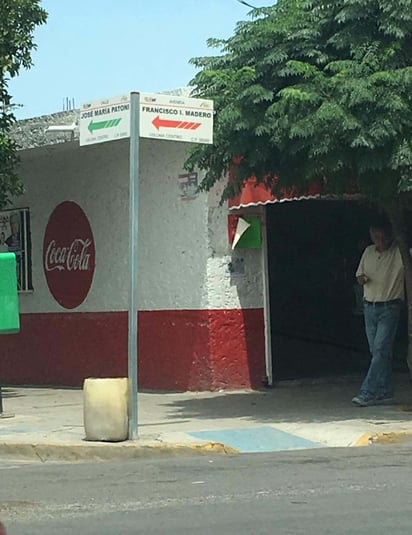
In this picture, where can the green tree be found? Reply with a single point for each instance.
(18, 20)
(316, 90)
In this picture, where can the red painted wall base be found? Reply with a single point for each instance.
(178, 349)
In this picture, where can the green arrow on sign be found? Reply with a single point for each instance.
(102, 124)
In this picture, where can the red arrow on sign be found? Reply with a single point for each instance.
(167, 123)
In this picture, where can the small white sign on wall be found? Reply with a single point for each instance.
(235, 266)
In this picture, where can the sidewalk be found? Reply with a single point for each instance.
(48, 423)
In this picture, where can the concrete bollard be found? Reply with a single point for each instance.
(105, 409)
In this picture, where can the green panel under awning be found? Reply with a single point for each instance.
(252, 236)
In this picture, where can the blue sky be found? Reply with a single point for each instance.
(100, 48)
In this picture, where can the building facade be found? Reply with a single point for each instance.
(201, 313)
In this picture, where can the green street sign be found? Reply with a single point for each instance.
(105, 119)
(9, 303)
(98, 125)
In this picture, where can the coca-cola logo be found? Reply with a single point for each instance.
(69, 254)
(75, 257)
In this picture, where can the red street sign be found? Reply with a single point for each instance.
(176, 118)
(167, 123)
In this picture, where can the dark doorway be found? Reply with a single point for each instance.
(316, 316)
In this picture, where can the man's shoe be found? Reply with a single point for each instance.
(363, 402)
(385, 400)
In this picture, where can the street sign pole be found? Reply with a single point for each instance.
(133, 262)
(153, 116)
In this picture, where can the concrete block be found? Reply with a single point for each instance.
(105, 409)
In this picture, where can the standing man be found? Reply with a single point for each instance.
(381, 274)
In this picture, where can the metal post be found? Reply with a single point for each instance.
(133, 263)
(4, 414)
(266, 299)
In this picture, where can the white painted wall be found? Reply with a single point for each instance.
(173, 237)
(226, 289)
(96, 178)
(183, 244)
(172, 232)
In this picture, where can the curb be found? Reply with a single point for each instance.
(54, 452)
(388, 437)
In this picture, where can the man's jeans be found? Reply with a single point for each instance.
(381, 323)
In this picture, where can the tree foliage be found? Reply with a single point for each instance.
(316, 91)
(18, 20)
(313, 90)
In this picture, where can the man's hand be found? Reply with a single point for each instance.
(362, 279)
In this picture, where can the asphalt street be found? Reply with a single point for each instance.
(316, 491)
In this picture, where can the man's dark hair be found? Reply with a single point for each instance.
(381, 222)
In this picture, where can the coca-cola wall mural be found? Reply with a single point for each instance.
(69, 255)
(15, 238)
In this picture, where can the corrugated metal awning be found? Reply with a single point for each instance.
(258, 194)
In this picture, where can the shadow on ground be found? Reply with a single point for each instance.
(11, 393)
(304, 403)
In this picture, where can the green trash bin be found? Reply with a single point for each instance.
(9, 302)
